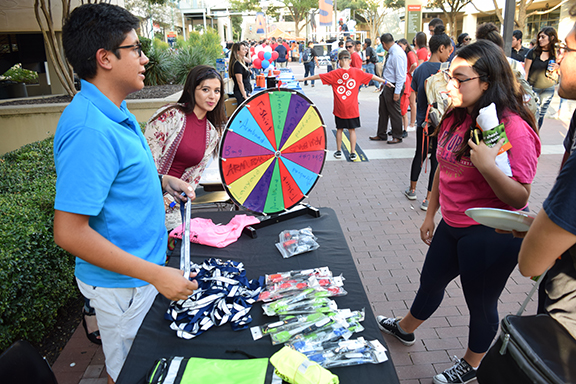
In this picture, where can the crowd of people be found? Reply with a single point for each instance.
(117, 187)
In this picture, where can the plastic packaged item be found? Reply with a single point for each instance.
(295, 242)
(333, 285)
(351, 352)
(319, 304)
(294, 368)
(286, 324)
(302, 274)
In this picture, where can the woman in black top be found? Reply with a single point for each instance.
(542, 70)
(239, 72)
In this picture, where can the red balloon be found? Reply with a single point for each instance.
(274, 55)
(261, 55)
(257, 63)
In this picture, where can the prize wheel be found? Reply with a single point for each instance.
(272, 151)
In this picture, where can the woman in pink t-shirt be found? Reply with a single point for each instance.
(468, 177)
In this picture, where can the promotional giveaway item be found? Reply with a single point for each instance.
(492, 132)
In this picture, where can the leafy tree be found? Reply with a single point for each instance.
(373, 15)
(522, 15)
(298, 9)
(151, 10)
(450, 8)
(394, 4)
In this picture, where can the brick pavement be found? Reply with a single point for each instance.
(382, 230)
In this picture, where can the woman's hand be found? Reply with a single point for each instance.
(427, 230)
(482, 156)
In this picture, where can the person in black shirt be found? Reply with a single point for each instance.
(518, 51)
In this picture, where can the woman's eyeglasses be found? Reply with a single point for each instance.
(137, 48)
(349, 46)
(467, 39)
(455, 81)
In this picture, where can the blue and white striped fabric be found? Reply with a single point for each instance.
(224, 295)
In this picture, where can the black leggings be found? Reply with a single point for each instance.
(484, 260)
(417, 161)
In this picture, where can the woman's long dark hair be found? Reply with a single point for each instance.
(421, 39)
(407, 44)
(233, 59)
(553, 40)
(489, 62)
(186, 103)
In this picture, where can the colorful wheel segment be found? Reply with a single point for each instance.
(272, 151)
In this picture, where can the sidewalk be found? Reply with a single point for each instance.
(382, 230)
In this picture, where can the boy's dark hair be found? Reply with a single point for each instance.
(517, 34)
(340, 43)
(386, 38)
(435, 22)
(439, 39)
(368, 42)
(91, 27)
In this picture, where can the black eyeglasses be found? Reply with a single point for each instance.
(349, 46)
(137, 47)
(467, 39)
(457, 81)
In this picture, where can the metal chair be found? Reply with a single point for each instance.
(22, 364)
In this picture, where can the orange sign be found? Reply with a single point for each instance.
(414, 7)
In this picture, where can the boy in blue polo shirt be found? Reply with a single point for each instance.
(109, 210)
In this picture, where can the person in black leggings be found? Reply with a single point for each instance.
(468, 177)
(440, 48)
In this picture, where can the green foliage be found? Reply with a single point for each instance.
(394, 4)
(20, 75)
(146, 44)
(168, 66)
(36, 276)
(202, 49)
(159, 68)
(188, 58)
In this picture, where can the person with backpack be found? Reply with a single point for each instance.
(468, 177)
(310, 60)
(334, 55)
(440, 49)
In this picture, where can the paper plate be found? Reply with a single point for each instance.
(501, 218)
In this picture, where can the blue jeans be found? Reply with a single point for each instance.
(370, 69)
(545, 95)
(309, 70)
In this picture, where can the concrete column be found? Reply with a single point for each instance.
(469, 24)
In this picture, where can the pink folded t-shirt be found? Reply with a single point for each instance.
(204, 231)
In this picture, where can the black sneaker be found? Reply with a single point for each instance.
(338, 154)
(390, 326)
(353, 156)
(404, 134)
(461, 372)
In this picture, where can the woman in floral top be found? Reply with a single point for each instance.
(183, 136)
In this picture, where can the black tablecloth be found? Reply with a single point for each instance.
(155, 339)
